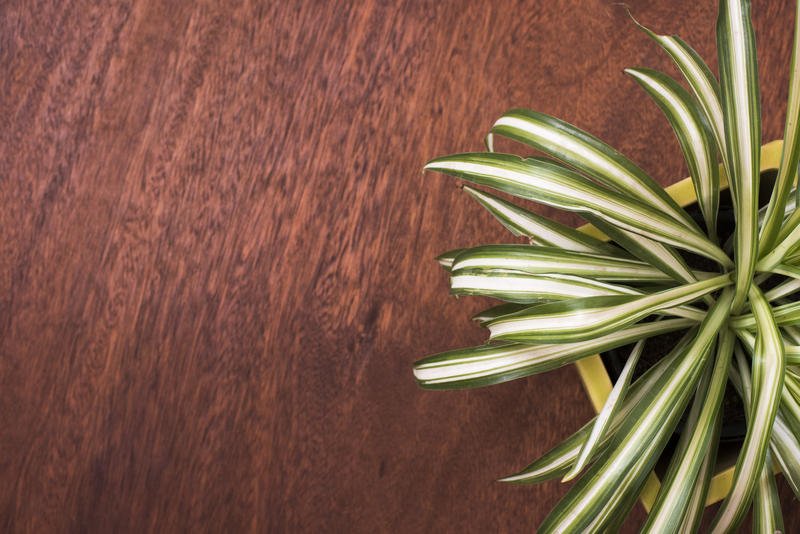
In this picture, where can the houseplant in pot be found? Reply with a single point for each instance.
(651, 270)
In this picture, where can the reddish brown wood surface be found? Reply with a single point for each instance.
(216, 254)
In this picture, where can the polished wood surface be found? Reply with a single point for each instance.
(216, 254)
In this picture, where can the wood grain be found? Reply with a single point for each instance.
(216, 254)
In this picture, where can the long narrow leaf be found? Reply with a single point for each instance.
(699, 490)
(557, 461)
(540, 230)
(579, 319)
(676, 487)
(446, 259)
(788, 210)
(556, 185)
(792, 333)
(591, 156)
(543, 260)
(661, 256)
(524, 288)
(767, 516)
(604, 418)
(787, 237)
(791, 149)
(742, 116)
(768, 371)
(785, 315)
(785, 448)
(792, 385)
(782, 290)
(624, 496)
(784, 445)
(635, 449)
(793, 257)
(791, 352)
(787, 270)
(494, 312)
(790, 409)
(694, 135)
(700, 79)
(491, 364)
(785, 247)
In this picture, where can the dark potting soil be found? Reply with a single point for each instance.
(734, 425)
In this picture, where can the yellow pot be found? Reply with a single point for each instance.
(595, 377)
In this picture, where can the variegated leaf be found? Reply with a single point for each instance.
(540, 230)
(768, 371)
(790, 156)
(604, 418)
(580, 319)
(558, 460)
(677, 486)
(601, 492)
(591, 156)
(694, 135)
(742, 117)
(555, 185)
(544, 260)
(494, 363)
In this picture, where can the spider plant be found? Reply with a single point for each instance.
(568, 295)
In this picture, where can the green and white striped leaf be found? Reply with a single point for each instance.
(556, 185)
(791, 411)
(604, 418)
(694, 135)
(784, 445)
(785, 315)
(675, 493)
(787, 270)
(792, 385)
(792, 333)
(790, 155)
(524, 288)
(792, 258)
(742, 117)
(693, 514)
(793, 221)
(790, 225)
(494, 363)
(788, 210)
(791, 352)
(446, 259)
(592, 157)
(494, 312)
(580, 319)
(767, 516)
(782, 290)
(640, 440)
(543, 260)
(768, 371)
(785, 449)
(557, 461)
(790, 405)
(657, 254)
(610, 520)
(782, 250)
(540, 230)
(700, 79)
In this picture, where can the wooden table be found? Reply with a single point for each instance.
(216, 254)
